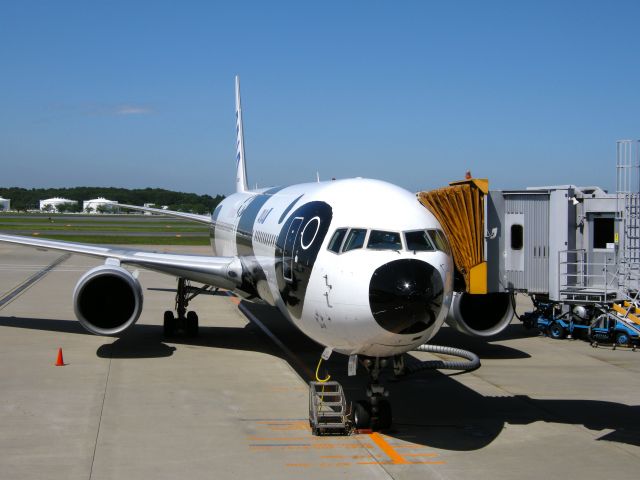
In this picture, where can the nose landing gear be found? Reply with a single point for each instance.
(374, 413)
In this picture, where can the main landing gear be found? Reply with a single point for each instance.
(185, 321)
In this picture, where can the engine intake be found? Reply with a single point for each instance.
(107, 300)
(480, 315)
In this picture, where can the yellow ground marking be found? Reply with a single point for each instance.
(395, 457)
(342, 457)
(438, 462)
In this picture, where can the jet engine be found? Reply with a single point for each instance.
(480, 315)
(107, 300)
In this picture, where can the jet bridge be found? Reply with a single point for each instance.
(558, 241)
(565, 243)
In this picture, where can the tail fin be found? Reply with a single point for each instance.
(241, 169)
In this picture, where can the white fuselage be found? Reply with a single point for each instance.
(282, 237)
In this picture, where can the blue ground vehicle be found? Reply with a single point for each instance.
(611, 328)
(591, 323)
(549, 319)
(559, 326)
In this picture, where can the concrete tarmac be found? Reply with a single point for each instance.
(232, 404)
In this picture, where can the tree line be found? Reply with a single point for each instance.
(29, 199)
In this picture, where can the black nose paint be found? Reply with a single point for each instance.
(405, 296)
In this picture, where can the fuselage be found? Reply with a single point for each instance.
(358, 265)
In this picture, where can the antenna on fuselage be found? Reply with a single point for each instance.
(241, 169)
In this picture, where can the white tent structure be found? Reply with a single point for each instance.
(5, 204)
(97, 205)
(51, 204)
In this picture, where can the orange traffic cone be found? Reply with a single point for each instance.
(59, 361)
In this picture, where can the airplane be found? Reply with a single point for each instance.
(358, 265)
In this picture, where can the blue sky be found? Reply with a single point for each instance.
(140, 94)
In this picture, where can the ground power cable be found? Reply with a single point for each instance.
(472, 363)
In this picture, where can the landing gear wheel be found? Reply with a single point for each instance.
(362, 414)
(169, 324)
(556, 331)
(384, 415)
(191, 324)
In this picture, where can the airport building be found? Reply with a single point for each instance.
(5, 204)
(98, 205)
(52, 204)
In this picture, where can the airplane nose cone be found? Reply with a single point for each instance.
(406, 295)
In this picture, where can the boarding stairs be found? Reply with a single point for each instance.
(629, 312)
(328, 409)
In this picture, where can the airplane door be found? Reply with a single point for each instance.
(288, 254)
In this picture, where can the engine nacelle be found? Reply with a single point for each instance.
(480, 315)
(107, 300)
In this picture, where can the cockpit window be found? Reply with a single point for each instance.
(440, 241)
(418, 241)
(380, 240)
(336, 241)
(355, 239)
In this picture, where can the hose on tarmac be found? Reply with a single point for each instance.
(472, 363)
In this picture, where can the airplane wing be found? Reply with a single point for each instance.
(206, 219)
(224, 272)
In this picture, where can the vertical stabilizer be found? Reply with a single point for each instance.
(241, 169)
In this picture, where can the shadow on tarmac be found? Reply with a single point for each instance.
(430, 408)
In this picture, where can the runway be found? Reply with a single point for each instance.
(233, 404)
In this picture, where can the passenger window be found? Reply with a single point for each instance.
(336, 240)
(380, 240)
(440, 241)
(355, 239)
(517, 236)
(418, 241)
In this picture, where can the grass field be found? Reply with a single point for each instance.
(107, 229)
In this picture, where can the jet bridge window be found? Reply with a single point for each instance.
(355, 239)
(439, 240)
(603, 232)
(380, 240)
(517, 236)
(336, 241)
(418, 241)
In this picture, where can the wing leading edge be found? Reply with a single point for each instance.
(224, 272)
